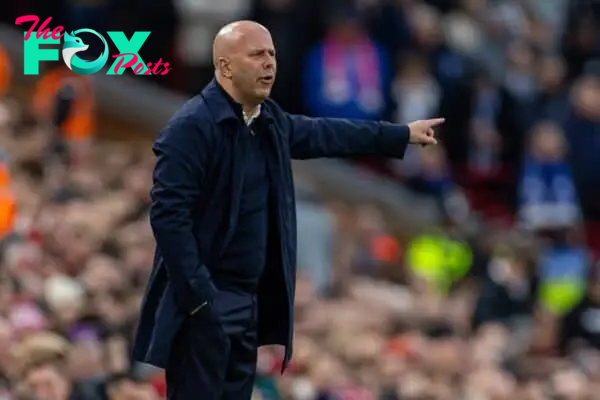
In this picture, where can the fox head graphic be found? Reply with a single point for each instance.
(72, 45)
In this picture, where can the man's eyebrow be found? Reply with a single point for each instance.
(262, 50)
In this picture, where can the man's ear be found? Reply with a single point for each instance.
(225, 67)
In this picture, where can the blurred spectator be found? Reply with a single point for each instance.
(564, 268)
(76, 127)
(547, 194)
(347, 74)
(6, 72)
(581, 130)
(315, 244)
(552, 100)
(8, 206)
(126, 386)
(507, 295)
(434, 175)
(47, 381)
(416, 92)
(284, 18)
(437, 261)
(581, 325)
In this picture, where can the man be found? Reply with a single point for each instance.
(223, 214)
(47, 379)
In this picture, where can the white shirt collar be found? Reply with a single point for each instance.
(249, 118)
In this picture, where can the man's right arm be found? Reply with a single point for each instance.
(178, 173)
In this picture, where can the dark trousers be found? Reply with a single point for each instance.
(214, 354)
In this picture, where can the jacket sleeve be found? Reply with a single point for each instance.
(332, 137)
(179, 171)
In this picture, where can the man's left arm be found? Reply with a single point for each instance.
(331, 137)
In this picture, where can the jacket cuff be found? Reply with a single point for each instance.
(205, 289)
(195, 292)
(393, 140)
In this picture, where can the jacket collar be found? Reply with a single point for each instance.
(224, 107)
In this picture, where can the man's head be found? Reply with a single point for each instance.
(548, 142)
(85, 360)
(244, 59)
(46, 381)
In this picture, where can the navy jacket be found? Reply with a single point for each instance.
(196, 191)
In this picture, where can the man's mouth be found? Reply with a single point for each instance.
(266, 79)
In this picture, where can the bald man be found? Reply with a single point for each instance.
(223, 215)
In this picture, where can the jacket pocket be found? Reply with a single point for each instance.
(206, 323)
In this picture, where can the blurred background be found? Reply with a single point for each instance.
(465, 271)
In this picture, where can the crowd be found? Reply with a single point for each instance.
(501, 300)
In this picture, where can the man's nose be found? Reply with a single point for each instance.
(269, 62)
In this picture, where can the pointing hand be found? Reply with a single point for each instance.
(422, 131)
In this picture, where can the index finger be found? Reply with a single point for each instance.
(436, 121)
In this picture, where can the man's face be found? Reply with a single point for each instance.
(85, 360)
(253, 65)
(45, 382)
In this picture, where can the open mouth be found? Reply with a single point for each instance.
(266, 79)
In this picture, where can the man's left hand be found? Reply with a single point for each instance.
(422, 131)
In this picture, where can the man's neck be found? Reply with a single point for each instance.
(249, 109)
